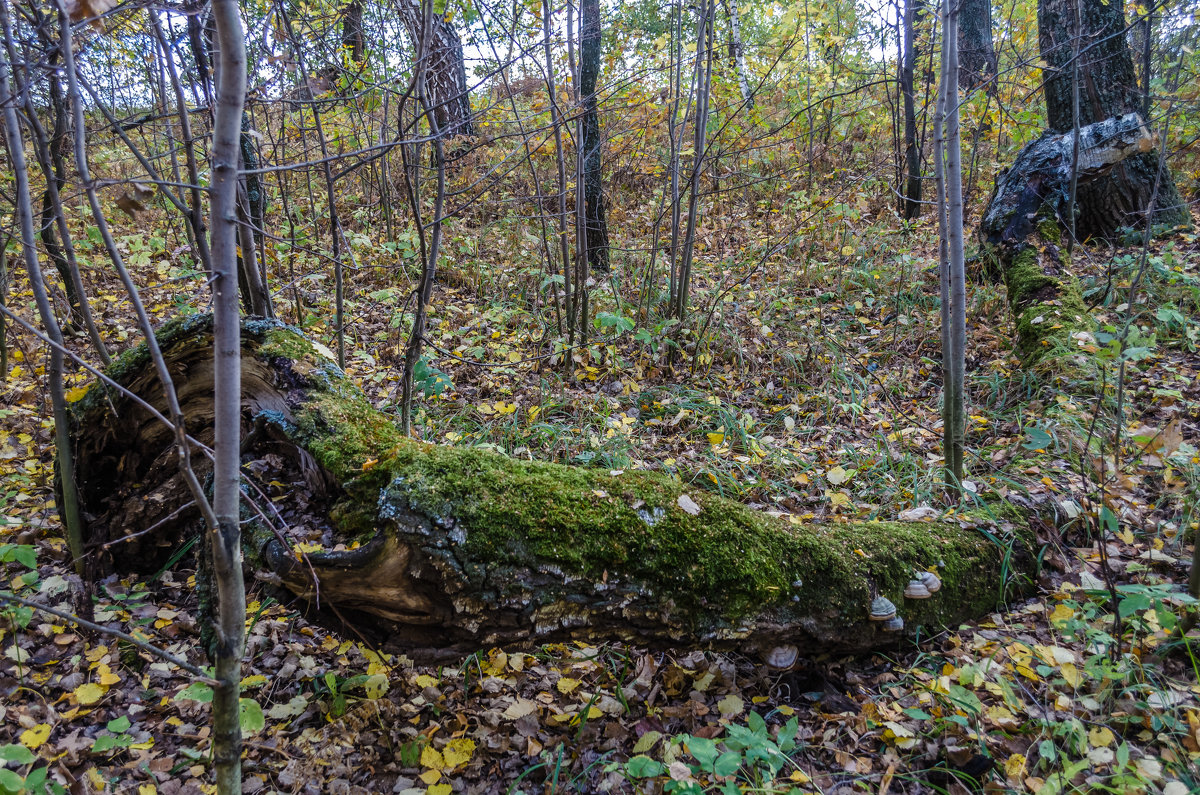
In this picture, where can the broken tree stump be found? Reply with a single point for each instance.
(433, 547)
(1021, 231)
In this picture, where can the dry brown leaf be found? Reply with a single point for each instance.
(79, 10)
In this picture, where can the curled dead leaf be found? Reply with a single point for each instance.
(79, 10)
(133, 199)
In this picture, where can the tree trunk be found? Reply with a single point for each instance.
(446, 74)
(1108, 88)
(449, 550)
(591, 143)
(352, 31)
(953, 274)
(976, 50)
(912, 154)
(737, 50)
(223, 532)
(1021, 229)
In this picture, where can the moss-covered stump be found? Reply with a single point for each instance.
(1022, 229)
(455, 549)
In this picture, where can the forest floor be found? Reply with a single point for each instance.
(815, 394)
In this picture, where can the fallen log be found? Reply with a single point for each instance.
(453, 549)
(1021, 231)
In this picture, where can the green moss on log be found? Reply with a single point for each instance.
(719, 566)
(724, 563)
(484, 544)
(1048, 308)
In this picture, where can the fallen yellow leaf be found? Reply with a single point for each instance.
(32, 738)
(458, 752)
(432, 758)
(89, 693)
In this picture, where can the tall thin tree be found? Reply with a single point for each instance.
(912, 152)
(590, 143)
(24, 212)
(225, 538)
(953, 275)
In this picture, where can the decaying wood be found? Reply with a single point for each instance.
(449, 550)
(1021, 230)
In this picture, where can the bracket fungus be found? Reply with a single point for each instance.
(930, 581)
(916, 590)
(882, 609)
(782, 657)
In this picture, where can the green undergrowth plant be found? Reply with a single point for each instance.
(754, 757)
(20, 773)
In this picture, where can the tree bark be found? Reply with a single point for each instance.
(446, 74)
(955, 342)
(352, 31)
(737, 49)
(440, 551)
(976, 49)
(224, 537)
(1108, 88)
(591, 142)
(1021, 230)
(23, 212)
(912, 154)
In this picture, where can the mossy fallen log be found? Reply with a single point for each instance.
(455, 549)
(1021, 233)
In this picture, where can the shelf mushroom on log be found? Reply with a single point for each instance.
(440, 550)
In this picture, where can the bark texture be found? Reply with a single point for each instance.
(1108, 88)
(737, 52)
(1021, 229)
(912, 154)
(976, 48)
(591, 143)
(442, 550)
(446, 78)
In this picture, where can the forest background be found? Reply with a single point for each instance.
(698, 239)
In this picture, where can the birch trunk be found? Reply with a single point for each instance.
(737, 45)
(1108, 88)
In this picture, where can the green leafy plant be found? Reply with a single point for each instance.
(431, 381)
(250, 714)
(32, 779)
(749, 757)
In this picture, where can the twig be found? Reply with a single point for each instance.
(116, 633)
